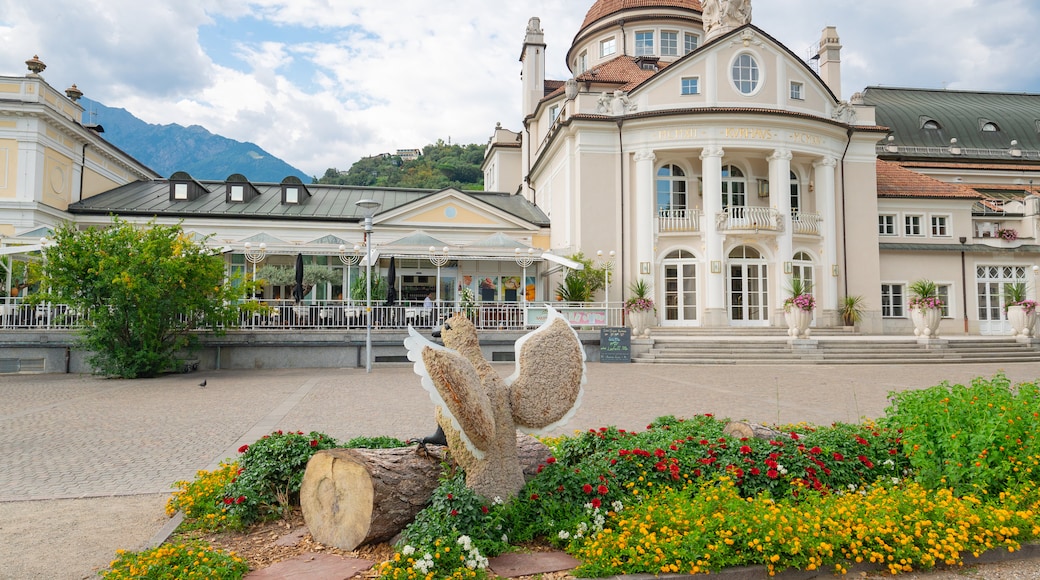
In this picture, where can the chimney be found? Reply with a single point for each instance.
(533, 69)
(830, 60)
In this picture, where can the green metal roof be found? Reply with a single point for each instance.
(326, 202)
(960, 115)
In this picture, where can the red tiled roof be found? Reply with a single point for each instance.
(621, 70)
(603, 8)
(896, 181)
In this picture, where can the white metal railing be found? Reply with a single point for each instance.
(806, 223)
(678, 220)
(741, 217)
(276, 315)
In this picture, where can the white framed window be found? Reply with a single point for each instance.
(671, 190)
(745, 74)
(945, 293)
(583, 62)
(690, 42)
(797, 91)
(691, 85)
(608, 47)
(940, 226)
(292, 195)
(886, 224)
(912, 225)
(180, 191)
(669, 43)
(554, 111)
(645, 43)
(237, 193)
(734, 187)
(892, 300)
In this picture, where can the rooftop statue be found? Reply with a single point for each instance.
(479, 412)
(721, 16)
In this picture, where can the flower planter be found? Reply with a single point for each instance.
(1021, 321)
(926, 321)
(798, 321)
(640, 322)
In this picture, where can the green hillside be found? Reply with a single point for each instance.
(441, 165)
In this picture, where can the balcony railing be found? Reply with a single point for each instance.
(678, 220)
(750, 218)
(279, 315)
(806, 223)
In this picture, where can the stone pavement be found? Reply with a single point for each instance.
(76, 451)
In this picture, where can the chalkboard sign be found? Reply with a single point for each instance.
(615, 344)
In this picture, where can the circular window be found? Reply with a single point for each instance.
(450, 212)
(745, 74)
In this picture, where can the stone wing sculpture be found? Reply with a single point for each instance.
(480, 412)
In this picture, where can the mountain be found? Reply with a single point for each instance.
(170, 148)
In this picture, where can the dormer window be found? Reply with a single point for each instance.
(183, 187)
(239, 190)
(990, 127)
(930, 125)
(180, 191)
(294, 192)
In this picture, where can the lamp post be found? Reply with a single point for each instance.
(438, 258)
(349, 260)
(254, 257)
(523, 259)
(368, 208)
(607, 267)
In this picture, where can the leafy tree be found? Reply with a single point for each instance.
(580, 285)
(145, 289)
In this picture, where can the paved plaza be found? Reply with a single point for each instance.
(86, 464)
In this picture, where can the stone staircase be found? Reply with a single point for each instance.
(768, 346)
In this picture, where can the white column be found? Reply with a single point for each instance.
(715, 283)
(643, 236)
(827, 287)
(780, 198)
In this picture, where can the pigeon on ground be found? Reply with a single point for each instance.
(203, 384)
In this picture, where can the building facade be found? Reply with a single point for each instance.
(721, 166)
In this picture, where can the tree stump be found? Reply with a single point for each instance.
(352, 497)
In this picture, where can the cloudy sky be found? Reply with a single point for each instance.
(321, 83)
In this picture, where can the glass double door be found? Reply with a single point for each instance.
(680, 292)
(748, 293)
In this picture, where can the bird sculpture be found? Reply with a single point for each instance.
(479, 411)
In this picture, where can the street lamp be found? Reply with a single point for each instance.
(438, 258)
(348, 261)
(607, 267)
(368, 208)
(255, 256)
(523, 260)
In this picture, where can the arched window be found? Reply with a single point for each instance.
(671, 190)
(931, 125)
(990, 127)
(796, 194)
(803, 270)
(734, 187)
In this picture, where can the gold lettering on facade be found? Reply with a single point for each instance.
(806, 139)
(748, 133)
(677, 133)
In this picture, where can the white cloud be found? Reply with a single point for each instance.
(321, 83)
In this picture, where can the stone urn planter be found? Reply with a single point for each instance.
(640, 322)
(798, 321)
(1021, 321)
(926, 321)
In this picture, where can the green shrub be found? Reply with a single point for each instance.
(973, 439)
(202, 499)
(270, 473)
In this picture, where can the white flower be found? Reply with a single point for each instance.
(617, 506)
(781, 469)
(471, 564)
(465, 542)
(852, 487)
(408, 550)
(564, 535)
(505, 539)
(889, 463)
(895, 481)
(498, 500)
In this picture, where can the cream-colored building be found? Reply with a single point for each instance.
(720, 165)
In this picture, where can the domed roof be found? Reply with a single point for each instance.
(604, 8)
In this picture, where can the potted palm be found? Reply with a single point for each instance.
(925, 308)
(851, 310)
(640, 308)
(798, 308)
(1021, 313)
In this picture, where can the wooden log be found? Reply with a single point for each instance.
(742, 430)
(352, 497)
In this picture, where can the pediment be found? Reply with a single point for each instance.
(452, 209)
